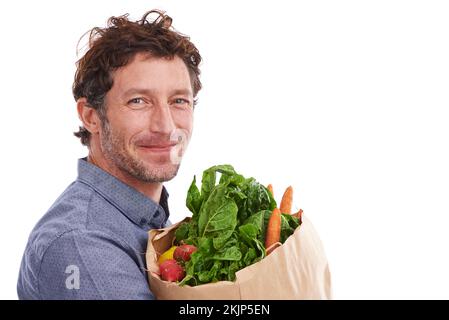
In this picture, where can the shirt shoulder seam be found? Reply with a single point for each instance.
(104, 196)
(117, 237)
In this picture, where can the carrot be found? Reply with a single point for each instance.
(287, 199)
(273, 233)
(270, 188)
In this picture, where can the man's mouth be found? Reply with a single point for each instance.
(157, 147)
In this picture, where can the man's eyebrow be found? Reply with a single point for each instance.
(132, 91)
(144, 91)
(181, 92)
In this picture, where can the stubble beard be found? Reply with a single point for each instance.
(114, 149)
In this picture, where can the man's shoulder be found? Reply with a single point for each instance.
(46, 265)
(68, 213)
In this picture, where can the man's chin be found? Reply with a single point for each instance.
(160, 172)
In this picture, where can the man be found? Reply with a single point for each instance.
(135, 89)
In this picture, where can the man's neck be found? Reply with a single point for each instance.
(152, 190)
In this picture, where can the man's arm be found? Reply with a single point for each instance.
(88, 265)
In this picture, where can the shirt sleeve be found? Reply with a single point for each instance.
(84, 265)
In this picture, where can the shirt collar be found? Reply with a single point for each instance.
(135, 205)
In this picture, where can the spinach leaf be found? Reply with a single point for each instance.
(182, 232)
(288, 225)
(249, 233)
(210, 176)
(218, 217)
(210, 275)
(292, 220)
(194, 199)
(230, 253)
(257, 198)
(258, 220)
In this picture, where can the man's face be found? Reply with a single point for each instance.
(149, 113)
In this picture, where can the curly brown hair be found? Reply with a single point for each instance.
(115, 46)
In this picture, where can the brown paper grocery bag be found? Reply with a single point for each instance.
(298, 269)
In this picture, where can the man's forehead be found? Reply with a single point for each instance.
(151, 91)
(149, 74)
(142, 64)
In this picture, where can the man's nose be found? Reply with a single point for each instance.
(162, 120)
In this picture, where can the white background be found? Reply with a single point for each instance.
(345, 100)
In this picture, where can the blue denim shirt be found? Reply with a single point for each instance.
(91, 243)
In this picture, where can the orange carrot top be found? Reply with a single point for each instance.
(287, 199)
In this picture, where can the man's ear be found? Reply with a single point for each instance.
(88, 116)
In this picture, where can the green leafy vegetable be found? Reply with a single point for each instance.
(218, 217)
(228, 225)
(194, 199)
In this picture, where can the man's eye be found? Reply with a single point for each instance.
(182, 101)
(136, 101)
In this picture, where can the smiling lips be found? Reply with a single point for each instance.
(158, 147)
